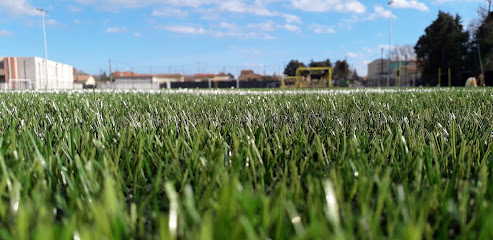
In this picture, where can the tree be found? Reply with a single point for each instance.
(403, 53)
(319, 74)
(484, 37)
(444, 45)
(290, 69)
(341, 69)
(355, 75)
(325, 63)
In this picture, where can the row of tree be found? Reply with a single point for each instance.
(447, 44)
(341, 68)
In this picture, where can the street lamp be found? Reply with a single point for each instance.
(390, 41)
(43, 12)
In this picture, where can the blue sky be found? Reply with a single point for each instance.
(161, 36)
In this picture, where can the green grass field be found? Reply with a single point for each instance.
(396, 164)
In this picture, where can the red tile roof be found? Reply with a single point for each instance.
(204, 75)
(130, 75)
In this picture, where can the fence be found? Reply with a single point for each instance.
(225, 84)
(113, 85)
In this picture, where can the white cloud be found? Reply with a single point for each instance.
(169, 12)
(117, 4)
(51, 22)
(320, 29)
(352, 55)
(183, 29)
(451, 1)
(380, 12)
(72, 8)
(329, 5)
(77, 21)
(17, 7)
(265, 26)
(226, 29)
(291, 28)
(292, 18)
(116, 30)
(230, 26)
(238, 6)
(5, 33)
(137, 34)
(410, 4)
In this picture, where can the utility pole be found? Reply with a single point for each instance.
(109, 64)
(406, 66)
(390, 42)
(43, 13)
(480, 62)
(381, 68)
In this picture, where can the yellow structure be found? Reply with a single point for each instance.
(297, 78)
(283, 82)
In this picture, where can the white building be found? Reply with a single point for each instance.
(378, 72)
(30, 73)
(131, 80)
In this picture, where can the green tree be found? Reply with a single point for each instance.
(445, 44)
(290, 69)
(484, 37)
(341, 69)
(319, 74)
(325, 63)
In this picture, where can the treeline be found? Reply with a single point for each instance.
(341, 68)
(447, 44)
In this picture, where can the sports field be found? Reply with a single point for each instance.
(322, 164)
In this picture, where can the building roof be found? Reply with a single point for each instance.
(204, 75)
(221, 74)
(250, 76)
(189, 78)
(81, 78)
(245, 72)
(130, 75)
(168, 75)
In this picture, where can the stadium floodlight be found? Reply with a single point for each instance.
(43, 13)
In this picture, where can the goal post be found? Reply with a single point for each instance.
(297, 80)
(301, 69)
(286, 79)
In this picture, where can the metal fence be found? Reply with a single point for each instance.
(113, 85)
(226, 84)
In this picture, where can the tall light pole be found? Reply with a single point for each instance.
(43, 12)
(390, 41)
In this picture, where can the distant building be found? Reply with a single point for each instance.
(30, 73)
(84, 81)
(131, 80)
(221, 77)
(168, 79)
(249, 75)
(204, 77)
(378, 72)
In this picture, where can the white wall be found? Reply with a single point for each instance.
(60, 76)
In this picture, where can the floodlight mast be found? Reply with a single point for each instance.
(43, 13)
(390, 41)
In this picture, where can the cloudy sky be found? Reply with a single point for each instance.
(161, 36)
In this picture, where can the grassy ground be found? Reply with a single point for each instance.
(247, 165)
